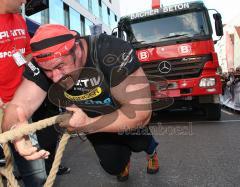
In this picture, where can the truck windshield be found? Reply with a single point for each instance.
(189, 25)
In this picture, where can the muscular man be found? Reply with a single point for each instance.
(100, 81)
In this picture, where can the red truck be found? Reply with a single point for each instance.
(175, 43)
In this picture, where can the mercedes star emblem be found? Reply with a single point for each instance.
(164, 67)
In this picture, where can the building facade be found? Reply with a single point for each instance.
(80, 15)
(236, 46)
(228, 47)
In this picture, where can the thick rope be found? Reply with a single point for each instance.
(57, 160)
(10, 177)
(1, 182)
(9, 166)
(26, 129)
(7, 171)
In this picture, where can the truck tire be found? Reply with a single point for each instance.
(212, 111)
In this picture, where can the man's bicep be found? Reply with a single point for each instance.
(134, 89)
(29, 96)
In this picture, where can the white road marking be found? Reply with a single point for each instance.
(222, 121)
(192, 122)
(226, 112)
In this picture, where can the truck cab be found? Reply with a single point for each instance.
(175, 44)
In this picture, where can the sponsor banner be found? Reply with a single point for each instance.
(90, 95)
(166, 9)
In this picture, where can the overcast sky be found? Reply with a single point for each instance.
(228, 8)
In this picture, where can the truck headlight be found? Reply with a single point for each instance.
(207, 82)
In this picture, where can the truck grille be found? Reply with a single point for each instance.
(180, 68)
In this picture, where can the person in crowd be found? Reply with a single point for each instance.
(15, 44)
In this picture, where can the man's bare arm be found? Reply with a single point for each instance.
(135, 100)
(29, 97)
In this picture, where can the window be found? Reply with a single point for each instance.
(113, 23)
(75, 23)
(95, 8)
(184, 26)
(45, 16)
(82, 18)
(100, 3)
(56, 14)
(90, 7)
(84, 3)
(41, 17)
(88, 23)
(100, 9)
(36, 17)
(105, 14)
(66, 15)
(109, 19)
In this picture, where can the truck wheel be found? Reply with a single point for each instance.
(212, 111)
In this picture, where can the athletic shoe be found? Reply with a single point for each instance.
(153, 163)
(63, 170)
(123, 176)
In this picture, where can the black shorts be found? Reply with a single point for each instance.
(114, 150)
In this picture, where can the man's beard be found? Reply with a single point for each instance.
(67, 82)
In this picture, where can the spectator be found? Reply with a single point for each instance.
(15, 41)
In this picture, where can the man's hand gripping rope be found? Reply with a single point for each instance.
(18, 135)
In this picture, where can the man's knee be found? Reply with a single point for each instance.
(115, 162)
(147, 146)
(115, 167)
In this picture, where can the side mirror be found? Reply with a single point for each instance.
(218, 24)
(115, 32)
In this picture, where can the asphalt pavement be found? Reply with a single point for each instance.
(192, 152)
